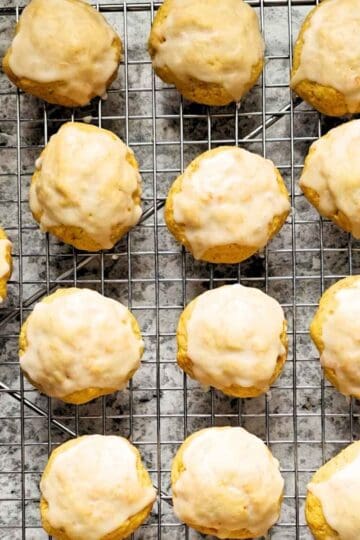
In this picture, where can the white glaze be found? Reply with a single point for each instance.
(232, 197)
(211, 42)
(341, 339)
(85, 181)
(333, 171)
(331, 50)
(80, 340)
(93, 487)
(65, 41)
(340, 500)
(233, 337)
(231, 481)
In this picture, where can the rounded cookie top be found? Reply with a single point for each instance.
(205, 41)
(77, 339)
(331, 176)
(335, 330)
(330, 50)
(234, 337)
(228, 196)
(226, 480)
(92, 485)
(88, 179)
(65, 44)
(335, 487)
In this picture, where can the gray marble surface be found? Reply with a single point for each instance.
(302, 421)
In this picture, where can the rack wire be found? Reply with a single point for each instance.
(302, 419)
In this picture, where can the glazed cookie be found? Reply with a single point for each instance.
(335, 330)
(226, 483)
(331, 176)
(64, 52)
(95, 488)
(86, 188)
(227, 205)
(77, 345)
(233, 338)
(212, 51)
(333, 497)
(326, 66)
(5, 263)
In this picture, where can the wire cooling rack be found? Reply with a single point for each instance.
(302, 419)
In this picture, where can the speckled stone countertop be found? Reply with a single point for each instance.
(303, 421)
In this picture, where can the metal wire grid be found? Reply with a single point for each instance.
(303, 420)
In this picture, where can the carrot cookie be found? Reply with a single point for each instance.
(212, 51)
(326, 65)
(335, 332)
(333, 497)
(233, 338)
(5, 263)
(227, 205)
(331, 176)
(86, 188)
(226, 483)
(77, 345)
(95, 488)
(64, 52)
